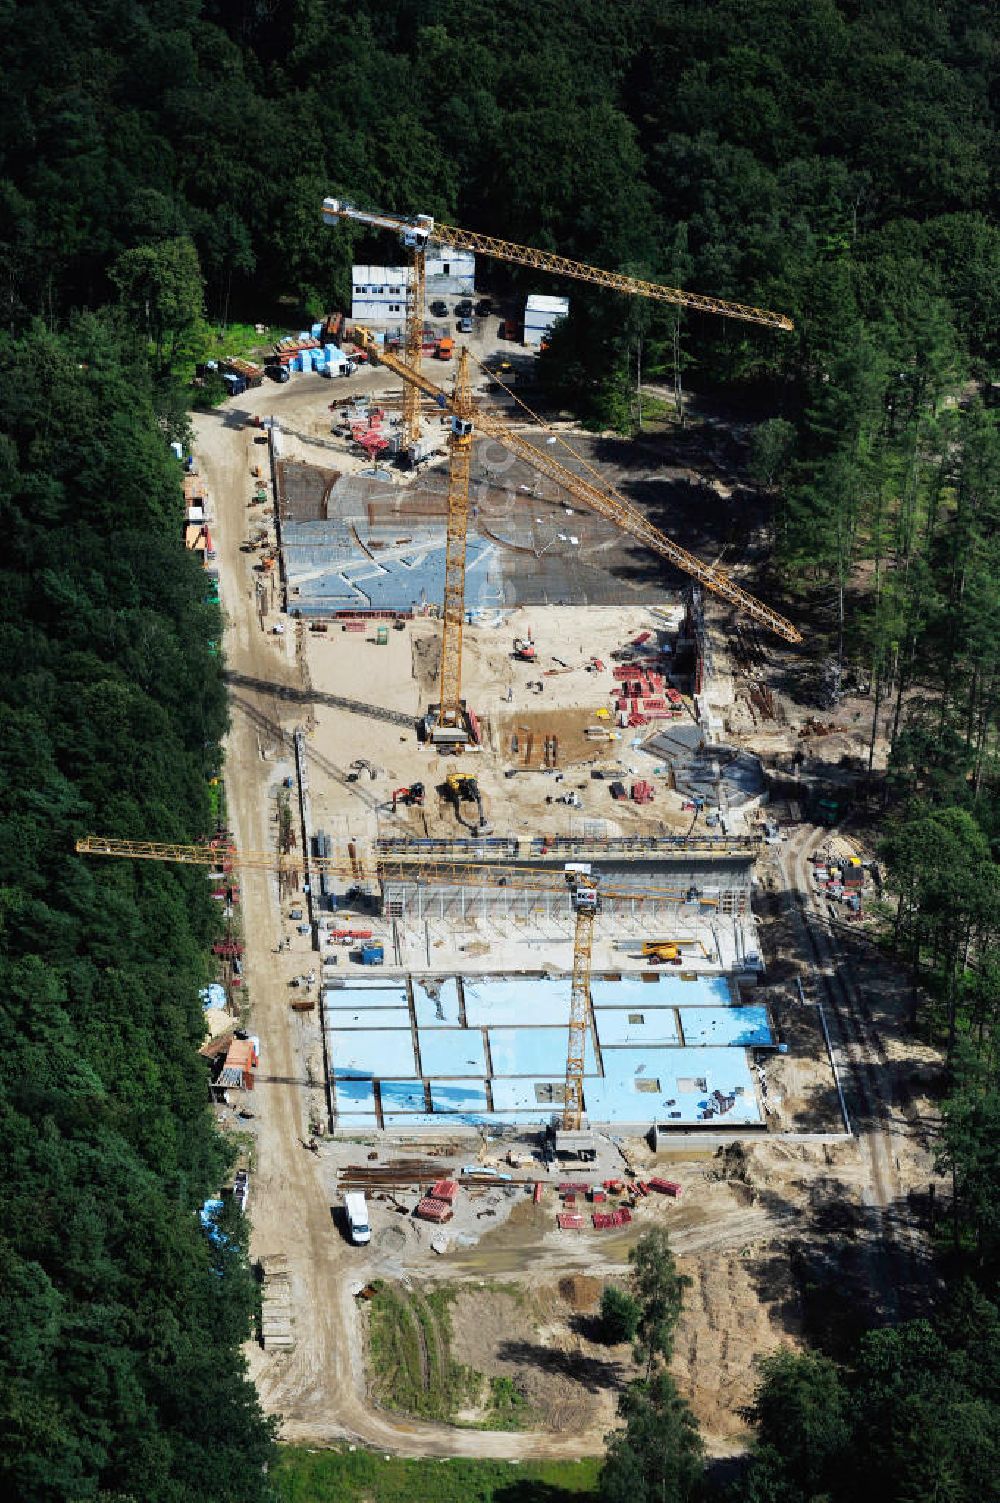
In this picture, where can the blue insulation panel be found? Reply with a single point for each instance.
(367, 1053)
(459, 1096)
(530, 1104)
(746, 1026)
(651, 1026)
(403, 1096)
(453, 1051)
(510, 1000)
(436, 1002)
(533, 1051)
(661, 989)
(671, 1085)
(357, 1096)
(374, 1017)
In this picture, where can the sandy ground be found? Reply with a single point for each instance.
(847, 1199)
(402, 676)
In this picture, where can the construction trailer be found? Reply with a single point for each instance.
(451, 272)
(378, 293)
(541, 314)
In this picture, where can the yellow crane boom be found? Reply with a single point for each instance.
(607, 503)
(423, 228)
(383, 869)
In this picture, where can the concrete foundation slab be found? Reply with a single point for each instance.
(492, 1049)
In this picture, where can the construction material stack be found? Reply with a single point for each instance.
(438, 1205)
(642, 694)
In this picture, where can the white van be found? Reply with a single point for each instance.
(357, 1217)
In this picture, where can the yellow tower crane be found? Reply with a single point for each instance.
(450, 719)
(576, 877)
(417, 230)
(449, 723)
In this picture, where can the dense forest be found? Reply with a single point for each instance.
(121, 1318)
(161, 165)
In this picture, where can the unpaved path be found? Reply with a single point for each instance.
(884, 1128)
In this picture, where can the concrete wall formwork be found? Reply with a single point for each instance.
(413, 902)
(716, 886)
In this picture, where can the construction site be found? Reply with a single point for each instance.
(548, 908)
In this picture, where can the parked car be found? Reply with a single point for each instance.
(463, 309)
(484, 307)
(465, 325)
(439, 309)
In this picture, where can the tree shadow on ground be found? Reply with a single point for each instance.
(592, 1373)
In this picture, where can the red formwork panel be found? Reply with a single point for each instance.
(667, 1187)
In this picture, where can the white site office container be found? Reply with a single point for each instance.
(540, 313)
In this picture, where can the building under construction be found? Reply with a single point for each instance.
(438, 1052)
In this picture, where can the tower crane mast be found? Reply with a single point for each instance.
(449, 713)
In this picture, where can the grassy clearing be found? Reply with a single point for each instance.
(658, 409)
(508, 1407)
(344, 1476)
(412, 1368)
(410, 1357)
(208, 342)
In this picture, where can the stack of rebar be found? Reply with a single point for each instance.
(403, 1174)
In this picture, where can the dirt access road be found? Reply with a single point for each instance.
(319, 1388)
(884, 1118)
